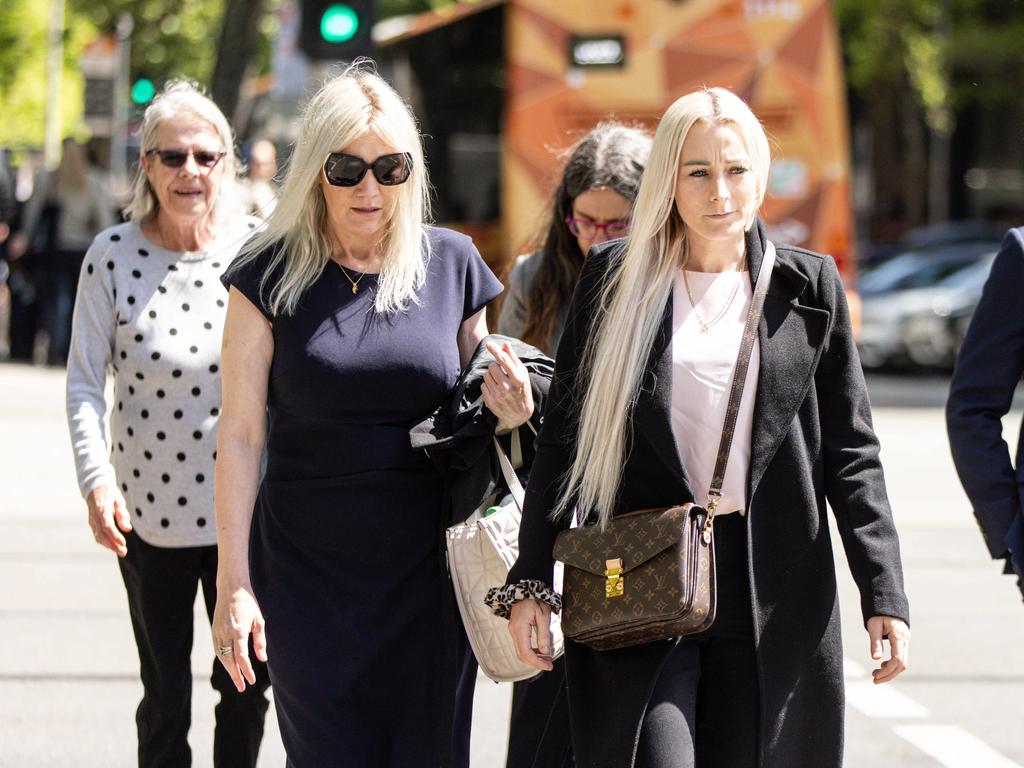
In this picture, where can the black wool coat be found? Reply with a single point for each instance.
(812, 439)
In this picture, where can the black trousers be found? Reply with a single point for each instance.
(539, 735)
(161, 584)
(705, 709)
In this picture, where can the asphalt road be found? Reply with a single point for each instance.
(68, 669)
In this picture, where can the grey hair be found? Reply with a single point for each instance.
(351, 105)
(612, 155)
(182, 98)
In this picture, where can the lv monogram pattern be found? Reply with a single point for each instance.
(668, 575)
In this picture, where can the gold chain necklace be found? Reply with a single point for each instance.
(706, 325)
(355, 283)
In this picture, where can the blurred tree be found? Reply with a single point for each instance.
(388, 8)
(913, 67)
(239, 41)
(23, 43)
(170, 38)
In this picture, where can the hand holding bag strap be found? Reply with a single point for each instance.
(739, 378)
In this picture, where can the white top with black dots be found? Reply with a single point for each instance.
(155, 318)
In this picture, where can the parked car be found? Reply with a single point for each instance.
(933, 235)
(916, 307)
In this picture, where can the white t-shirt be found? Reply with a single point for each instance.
(702, 369)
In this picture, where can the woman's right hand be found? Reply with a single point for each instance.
(526, 616)
(235, 617)
(108, 518)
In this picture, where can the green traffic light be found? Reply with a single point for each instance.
(339, 23)
(143, 90)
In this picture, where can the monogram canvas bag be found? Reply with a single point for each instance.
(480, 553)
(650, 574)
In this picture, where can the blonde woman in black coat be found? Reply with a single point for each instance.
(632, 422)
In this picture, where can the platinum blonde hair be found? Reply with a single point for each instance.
(632, 303)
(182, 98)
(346, 107)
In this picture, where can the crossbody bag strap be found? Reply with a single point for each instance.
(739, 378)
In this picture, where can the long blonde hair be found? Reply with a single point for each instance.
(346, 107)
(632, 304)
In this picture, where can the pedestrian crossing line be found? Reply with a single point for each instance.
(883, 702)
(878, 701)
(953, 747)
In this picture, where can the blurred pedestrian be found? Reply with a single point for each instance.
(151, 310)
(259, 193)
(348, 321)
(988, 368)
(636, 411)
(591, 204)
(6, 216)
(67, 208)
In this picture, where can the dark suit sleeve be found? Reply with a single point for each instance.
(554, 444)
(854, 482)
(990, 363)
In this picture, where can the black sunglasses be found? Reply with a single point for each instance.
(175, 158)
(344, 170)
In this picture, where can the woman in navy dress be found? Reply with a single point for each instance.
(348, 321)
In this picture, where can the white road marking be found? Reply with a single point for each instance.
(879, 701)
(882, 701)
(953, 747)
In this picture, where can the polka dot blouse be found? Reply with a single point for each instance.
(154, 319)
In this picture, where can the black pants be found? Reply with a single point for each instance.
(705, 709)
(539, 735)
(161, 584)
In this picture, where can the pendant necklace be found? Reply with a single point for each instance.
(355, 283)
(706, 325)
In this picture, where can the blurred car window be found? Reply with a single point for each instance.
(921, 268)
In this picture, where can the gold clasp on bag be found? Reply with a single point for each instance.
(614, 583)
(712, 505)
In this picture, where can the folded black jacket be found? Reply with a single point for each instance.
(457, 436)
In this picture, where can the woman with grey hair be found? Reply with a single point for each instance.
(591, 204)
(348, 321)
(150, 310)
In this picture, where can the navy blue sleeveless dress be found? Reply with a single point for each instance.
(344, 541)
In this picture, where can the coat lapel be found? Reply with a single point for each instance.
(653, 414)
(790, 337)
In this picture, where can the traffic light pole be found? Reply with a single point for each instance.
(119, 126)
(54, 75)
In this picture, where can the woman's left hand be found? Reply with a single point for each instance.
(899, 646)
(506, 388)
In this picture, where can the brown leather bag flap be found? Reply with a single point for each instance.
(635, 538)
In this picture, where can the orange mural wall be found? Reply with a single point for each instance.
(781, 56)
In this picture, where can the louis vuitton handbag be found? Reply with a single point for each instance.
(650, 575)
(480, 553)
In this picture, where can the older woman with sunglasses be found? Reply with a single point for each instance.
(150, 310)
(348, 321)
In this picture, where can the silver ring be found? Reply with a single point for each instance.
(224, 650)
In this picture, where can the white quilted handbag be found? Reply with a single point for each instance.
(480, 553)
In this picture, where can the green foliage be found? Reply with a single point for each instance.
(951, 53)
(389, 8)
(23, 49)
(170, 38)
